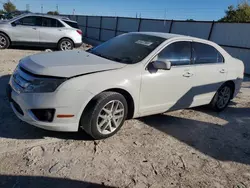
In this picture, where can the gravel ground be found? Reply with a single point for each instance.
(187, 148)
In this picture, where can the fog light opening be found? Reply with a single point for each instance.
(46, 115)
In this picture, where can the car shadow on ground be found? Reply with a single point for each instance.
(229, 141)
(12, 127)
(44, 182)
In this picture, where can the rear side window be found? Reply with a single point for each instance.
(50, 22)
(206, 54)
(72, 24)
(178, 53)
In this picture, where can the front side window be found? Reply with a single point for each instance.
(206, 54)
(178, 53)
(27, 21)
(128, 48)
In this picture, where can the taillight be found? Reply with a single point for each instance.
(79, 31)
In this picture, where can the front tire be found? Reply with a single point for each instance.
(4, 41)
(222, 97)
(65, 45)
(105, 115)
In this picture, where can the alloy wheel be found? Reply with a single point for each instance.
(224, 97)
(110, 117)
(66, 45)
(3, 42)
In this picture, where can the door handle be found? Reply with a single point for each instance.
(188, 74)
(223, 71)
(34, 28)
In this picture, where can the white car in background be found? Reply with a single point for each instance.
(40, 30)
(130, 76)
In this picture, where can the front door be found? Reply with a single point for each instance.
(25, 30)
(165, 90)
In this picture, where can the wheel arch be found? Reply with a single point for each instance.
(129, 99)
(126, 94)
(231, 82)
(65, 38)
(2, 32)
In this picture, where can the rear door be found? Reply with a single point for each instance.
(211, 72)
(51, 31)
(25, 30)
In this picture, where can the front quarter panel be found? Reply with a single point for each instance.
(127, 78)
(6, 28)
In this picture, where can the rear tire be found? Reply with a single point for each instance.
(65, 45)
(104, 115)
(222, 97)
(4, 41)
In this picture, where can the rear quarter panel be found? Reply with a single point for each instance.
(72, 34)
(235, 73)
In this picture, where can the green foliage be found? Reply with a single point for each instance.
(241, 13)
(2, 12)
(53, 13)
(9, 7)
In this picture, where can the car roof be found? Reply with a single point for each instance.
(64, 18)
(162, 35)
(168, 36)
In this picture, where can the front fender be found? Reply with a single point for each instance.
(97, 83)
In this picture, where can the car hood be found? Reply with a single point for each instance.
(67, 64)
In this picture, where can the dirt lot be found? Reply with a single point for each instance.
(187, 148)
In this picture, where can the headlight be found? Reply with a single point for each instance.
(43, 85)
(23, 82)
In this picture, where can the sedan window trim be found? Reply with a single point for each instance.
(166, 45)
(192, 60)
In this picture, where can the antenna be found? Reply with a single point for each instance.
(27, 7)
(42, 8)
(165, 16)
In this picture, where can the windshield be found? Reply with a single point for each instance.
(128, 48)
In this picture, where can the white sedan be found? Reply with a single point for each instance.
(129, 76)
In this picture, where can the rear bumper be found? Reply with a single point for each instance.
(77, 45)
(238, 83)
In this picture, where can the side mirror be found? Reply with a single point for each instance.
(14, 24)
(164, 65)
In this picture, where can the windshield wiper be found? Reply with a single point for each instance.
(120, 60)
(106, 57)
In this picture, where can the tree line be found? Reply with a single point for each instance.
(10, 7)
